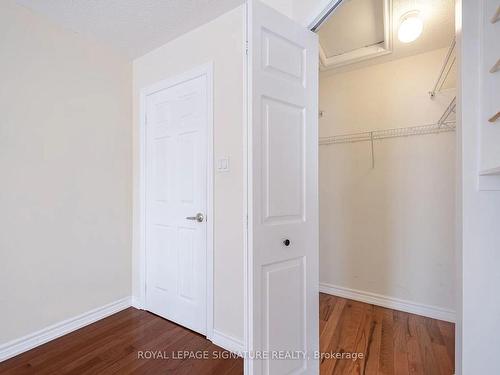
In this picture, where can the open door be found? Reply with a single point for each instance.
(283, 194)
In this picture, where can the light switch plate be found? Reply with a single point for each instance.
(223, 165)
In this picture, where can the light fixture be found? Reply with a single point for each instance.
(410, 26)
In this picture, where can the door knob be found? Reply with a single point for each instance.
(286, 242)
(199, 217)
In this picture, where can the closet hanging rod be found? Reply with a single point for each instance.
(440, 78)
(446, 126)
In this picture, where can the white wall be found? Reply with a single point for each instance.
(282, 6)
(302, 11)
(478, 328)
(220, 41)
(305, 11)
(388, 230)
(65, 156)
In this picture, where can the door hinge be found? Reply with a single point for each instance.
(246, 47)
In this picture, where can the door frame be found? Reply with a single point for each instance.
(140, 222)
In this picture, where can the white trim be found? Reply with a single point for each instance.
(318, 16)
(136, 303)
(248, 260)
(246, 110)
(141, 223)
(389, 302)
(208, 70)
(358, 55)
(322, 55)
(228, 343)
(488, 182)
(25, 343)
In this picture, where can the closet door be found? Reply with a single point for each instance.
(283, 194)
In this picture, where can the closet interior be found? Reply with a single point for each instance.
(387, 154)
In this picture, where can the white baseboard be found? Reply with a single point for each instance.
(227, 342)
(389, 302)
(23, 344)
(137, 303)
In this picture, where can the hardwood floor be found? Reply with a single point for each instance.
(391, 342)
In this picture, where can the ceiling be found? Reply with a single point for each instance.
(360, 23)
(134, 27)
(131, 27)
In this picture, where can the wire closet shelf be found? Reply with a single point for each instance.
(446, 126)
(443, 125)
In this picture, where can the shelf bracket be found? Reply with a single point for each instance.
(495, 68)
(443, 73)
(494, 118)
(496, 16)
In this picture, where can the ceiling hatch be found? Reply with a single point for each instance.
(357, 30)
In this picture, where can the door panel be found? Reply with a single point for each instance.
(284, 290)
(283, 194)
(176, 184)
(283, 162)
(282, 57)
(187, 252)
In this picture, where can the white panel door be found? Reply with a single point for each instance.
(283, 194)
(176, 190)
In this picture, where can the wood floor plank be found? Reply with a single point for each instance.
(391, 342)
(121, 348)
(112, 348)
(431, 366)
(386, 357)
(415, 357)
(344, 339)
(363, 340)
(374, 342)
(448, 331)
(400, 344)
(444, 361)
(331, 323)
(166, 342)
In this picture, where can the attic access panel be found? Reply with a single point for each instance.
(354, 31)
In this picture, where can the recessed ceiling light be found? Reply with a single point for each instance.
(410, 26)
